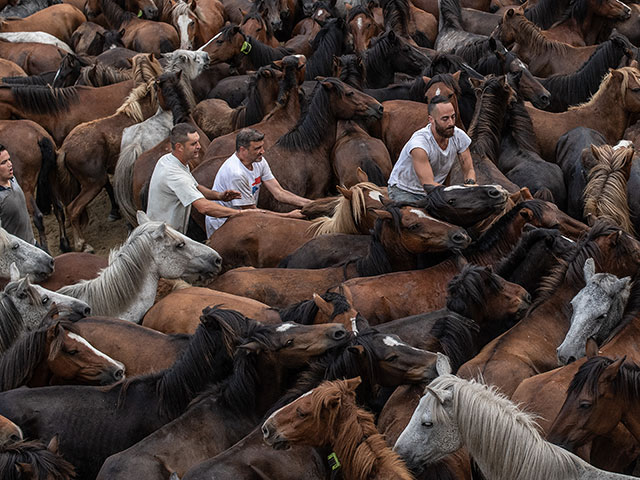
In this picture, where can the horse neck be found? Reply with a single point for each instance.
(378, 74)
(608, 105)
(360, 447)
(505, 242)
(12, 322)
(399, 257)
(268, 392)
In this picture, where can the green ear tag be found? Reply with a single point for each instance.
(246, 48)
(139, 13)
(333, 461)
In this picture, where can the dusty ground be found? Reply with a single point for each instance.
(100, 233)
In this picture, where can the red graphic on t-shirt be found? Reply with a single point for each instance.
(256, 185)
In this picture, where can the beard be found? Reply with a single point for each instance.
(445, 132)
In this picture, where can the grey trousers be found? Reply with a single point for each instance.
(398, 195)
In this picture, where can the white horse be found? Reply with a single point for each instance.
(597, 310)
(127, 287)
(143, 136)
(29, 259)
(35, 37)
(23, 307)
(503, 440)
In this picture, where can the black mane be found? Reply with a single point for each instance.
(305, 312)
(327, 44)
(44, 464)
(43, 99)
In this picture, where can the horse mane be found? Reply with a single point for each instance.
(469, 288)
(305, 312)
(546, 12)
(255, 15)
(253, 111)
(347, 213)
(360, 447)
(626, 382)
(352, 71)
(128, 265)
(376, 57)
(18, 363)
(177, 94)
(631, 311)
(473, 52)
(486, 126)
(43, 99)
(456, 335)
(570, 271)
(360, 9)
(626, 72)
(40, 79)
(12, 323)
(327, 43)
(144, 75)
(521, 128)
(263, 54)
(577, 10)
(605, 194)
(584, 82)
(313, 127)
(116, 16)
(100, 75)
(45, 464)
(529, 34)
(492, 425)
(450, 15)
(396, 16)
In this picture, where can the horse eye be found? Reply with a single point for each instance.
(300, 413)
(15, 246)
(452, 201)
(180, 245)
(427, 424)
(585, 405)
(349, 94)
(289, 342)
(45, 300)
(72, 352)
(392, 358)
(259, 29)
(22, 295)
(414, 227)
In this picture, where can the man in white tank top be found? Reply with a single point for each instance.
(428, 156)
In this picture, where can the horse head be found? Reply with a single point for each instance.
(465, 206)
(29, 259)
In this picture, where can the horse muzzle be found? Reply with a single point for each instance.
(271, 437)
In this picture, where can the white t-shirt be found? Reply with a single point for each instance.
(404, 175)
(172, 190)
(233, 175)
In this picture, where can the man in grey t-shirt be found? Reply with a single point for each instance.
(428, 156)
(13, 207)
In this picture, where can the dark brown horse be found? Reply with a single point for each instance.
(55, 355)
(22, 460)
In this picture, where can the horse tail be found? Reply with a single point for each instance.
(123, 181)
(373, 171)
(47, 169)
(66, 181)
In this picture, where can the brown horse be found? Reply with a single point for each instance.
(545, 57)
(605, 194)
(588, 22)
(328, 416)
(33, 58)
(34, 460)
(91, 149)
(196, 21)
(56, 355)
(609, 112)
(254, 25)
(400, 234)
(613, 251)
(363, 27)
(139, 34)
(10, 69)
(57, 20)
(9, 431)
(179, 312)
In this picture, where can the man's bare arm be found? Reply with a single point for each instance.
(466, 162)
(422, 167)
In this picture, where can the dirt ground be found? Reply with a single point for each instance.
(101, 234)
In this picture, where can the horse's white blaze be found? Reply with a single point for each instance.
(320, 12)
(377, 196)
(623, 144)
(422, 214)
(437, 91)
(278, 411)
(392, 342)
(84, 341)
(183, 24)
(354, 325)
(285, 326)
(454, 187)
(520, 64)
(568, 239)
(214, 38)
(359, 22)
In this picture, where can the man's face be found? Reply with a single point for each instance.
(443, 118)
(191, 147)
(6, 167)
(255, 151)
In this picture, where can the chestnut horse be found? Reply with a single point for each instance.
(33, 58)
(328, 416)
(57, 20)
(55, 355)
(196, 21)
(363, 27)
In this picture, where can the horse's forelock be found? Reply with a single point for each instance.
(44, 463)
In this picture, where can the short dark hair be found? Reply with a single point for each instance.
(246, 136)
(437, 100)
(180, 132)
(2, 148)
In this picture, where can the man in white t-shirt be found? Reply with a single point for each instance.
(173, 190)
(246, 171)
(428, 156)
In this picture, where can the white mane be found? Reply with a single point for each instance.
(503, 440)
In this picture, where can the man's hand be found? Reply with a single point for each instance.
(229, 195)
(296, 214)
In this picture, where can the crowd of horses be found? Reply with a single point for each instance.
(324, 347)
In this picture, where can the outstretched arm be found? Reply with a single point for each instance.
(284, 196)
(225, 196)
(466, 162)
(422, 167)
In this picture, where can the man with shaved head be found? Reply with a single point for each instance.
(428, 156)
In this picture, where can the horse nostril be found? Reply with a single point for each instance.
(218, 262)
(51, 263)
(265, 431)
(118, 374)
(339, 334)
(15, 438)
(527, 298)
(494, 193)
(380, 109)
(86, 311)
(459, 238)
(571, 359)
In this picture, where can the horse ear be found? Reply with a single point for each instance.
(353, 383)
(324, 306)
(525, 194)
(529, 228)
(382, 214)
(356, 350)
(511, 12)
(142, 217)
(160, 231)
(426, 79)
(612, 370)
(591, 348)
(54, 444)
(476, 83)
(443, 366)
(345, 192)
(589, 269)
(456, 76)
(251, 347)
(15, 273)
(442, 396)
(361, 175)
(193, 5)
(24, 469)
(526, 213)
(345, 291)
